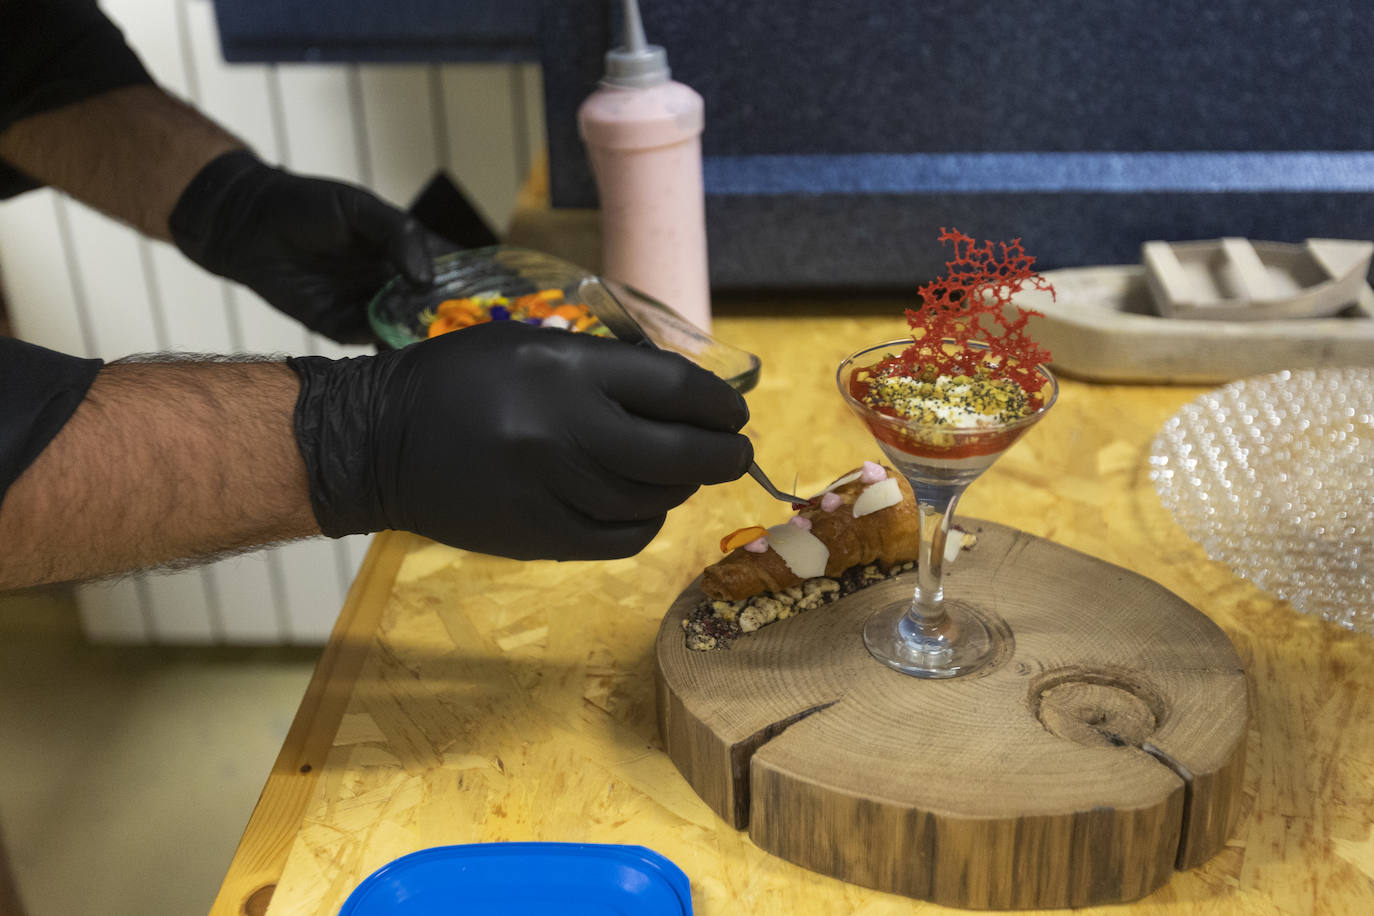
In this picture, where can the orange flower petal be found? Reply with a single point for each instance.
(741, 537)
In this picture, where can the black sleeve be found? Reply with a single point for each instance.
(39, 391)
(54, 53)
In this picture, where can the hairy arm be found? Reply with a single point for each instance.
(162, 461)
(128, 152)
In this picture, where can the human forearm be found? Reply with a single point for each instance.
(79, 112)
(526, 442)
(129, 152)
(162, 461)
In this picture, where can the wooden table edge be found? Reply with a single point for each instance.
(260, 858)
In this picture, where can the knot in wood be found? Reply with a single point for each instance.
(1097, 707)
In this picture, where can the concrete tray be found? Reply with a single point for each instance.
(1103, 326)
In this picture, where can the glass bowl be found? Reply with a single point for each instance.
(400, 314)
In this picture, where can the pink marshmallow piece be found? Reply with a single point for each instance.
(801, 522)
(831, 501)
(757, 545)
(872, 473)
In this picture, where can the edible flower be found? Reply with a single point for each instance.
(546, 308)
(742, 537)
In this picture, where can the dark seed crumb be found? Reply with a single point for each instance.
(716, 624)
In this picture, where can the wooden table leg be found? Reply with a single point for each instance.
(262, 852)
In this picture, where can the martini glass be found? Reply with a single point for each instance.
(934, 635)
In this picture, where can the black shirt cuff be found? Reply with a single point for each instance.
(55, 53)
(39, 391)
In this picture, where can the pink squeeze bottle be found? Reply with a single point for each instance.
(643, 137)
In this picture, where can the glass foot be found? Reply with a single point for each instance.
(968, 639)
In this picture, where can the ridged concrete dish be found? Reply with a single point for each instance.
(1102, 326)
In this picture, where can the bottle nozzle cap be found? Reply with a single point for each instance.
(637, 68)
(636, 64)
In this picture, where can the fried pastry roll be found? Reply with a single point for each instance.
(886, 536)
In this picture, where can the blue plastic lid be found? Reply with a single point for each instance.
(507, 879)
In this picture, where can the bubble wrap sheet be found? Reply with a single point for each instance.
(1274, 476)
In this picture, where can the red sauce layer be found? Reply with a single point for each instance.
(964, 445)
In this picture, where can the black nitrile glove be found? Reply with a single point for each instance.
(316, 249)
(514, 440)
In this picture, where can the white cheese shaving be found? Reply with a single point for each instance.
(958, 541)
(878, 496)
(803, 552)
(954, 543)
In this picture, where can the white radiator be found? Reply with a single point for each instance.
(81, 283)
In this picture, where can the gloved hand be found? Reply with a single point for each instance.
(513, 440)
(318, 250)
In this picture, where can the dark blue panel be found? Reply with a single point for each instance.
(1014, 75)
(840, 136)
(372, 31)
(573, 37)
(890, 241)
(864, 76)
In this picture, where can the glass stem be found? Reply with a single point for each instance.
(927, 610)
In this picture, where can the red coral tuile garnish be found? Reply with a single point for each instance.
(971, 304)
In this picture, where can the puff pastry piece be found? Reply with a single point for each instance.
(886, 537)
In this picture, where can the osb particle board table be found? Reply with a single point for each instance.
(467, 699)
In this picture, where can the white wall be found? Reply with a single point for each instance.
(81, 283)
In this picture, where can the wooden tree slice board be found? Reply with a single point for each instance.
(1103, 751)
